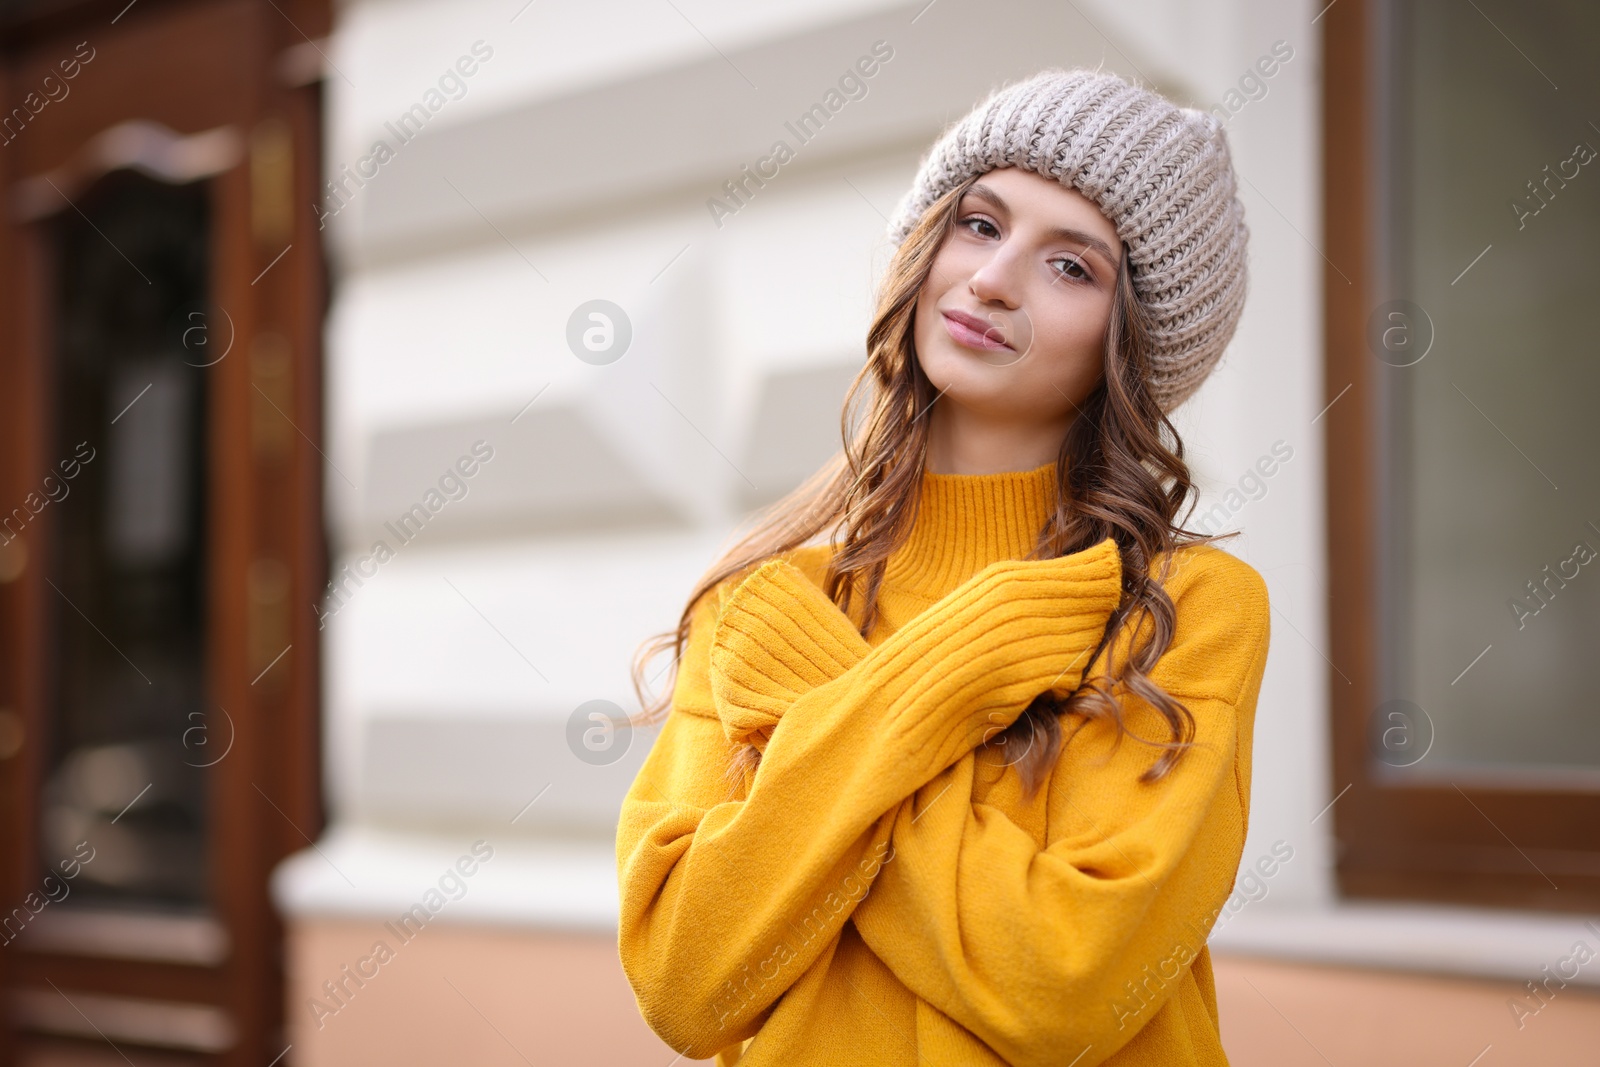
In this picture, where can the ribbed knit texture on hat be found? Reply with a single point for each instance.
(1161, 174)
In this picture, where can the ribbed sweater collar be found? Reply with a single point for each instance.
(967, 521)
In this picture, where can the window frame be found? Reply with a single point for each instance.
(1465, 842)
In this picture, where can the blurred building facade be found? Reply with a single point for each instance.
(599, 277)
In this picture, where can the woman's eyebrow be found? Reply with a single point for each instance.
(1065, 233)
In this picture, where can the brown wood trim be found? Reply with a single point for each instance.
(38, 1048)
(31, 598)
(265, 504)
(127, 978)
(23, 25)
(1350, 462)
(305, 301)
(1524, 848)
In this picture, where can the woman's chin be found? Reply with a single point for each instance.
(987, 394)
(979, 371)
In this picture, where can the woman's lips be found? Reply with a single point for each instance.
(973, 337)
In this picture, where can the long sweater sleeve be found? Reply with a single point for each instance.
(1047, 950)
(712, 888)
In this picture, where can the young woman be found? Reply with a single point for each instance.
(890, 817)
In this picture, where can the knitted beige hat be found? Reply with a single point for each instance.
(1159, 173)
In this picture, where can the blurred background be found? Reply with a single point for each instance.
(377, 375)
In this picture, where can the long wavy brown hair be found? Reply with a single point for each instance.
(1127, 481)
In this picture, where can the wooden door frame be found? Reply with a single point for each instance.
(267, 558)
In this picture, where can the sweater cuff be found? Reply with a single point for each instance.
(779, 637)
(1011, 632)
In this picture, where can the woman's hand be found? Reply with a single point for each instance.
(1045, 605)
(778, 637)
(980, 655)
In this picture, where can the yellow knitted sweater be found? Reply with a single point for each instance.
(879, 890)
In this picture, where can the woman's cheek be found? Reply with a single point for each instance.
(1077, 352)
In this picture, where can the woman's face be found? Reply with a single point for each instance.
(1011, 321)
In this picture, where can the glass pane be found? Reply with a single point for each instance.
(1491, 380)
(129, 555)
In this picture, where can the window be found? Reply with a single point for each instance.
(1462, 216)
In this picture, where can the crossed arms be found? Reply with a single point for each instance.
(1027, 944)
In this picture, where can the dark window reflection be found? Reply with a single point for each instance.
(130, 545)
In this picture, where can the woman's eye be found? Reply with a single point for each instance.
(1073, 265)
(981, 221)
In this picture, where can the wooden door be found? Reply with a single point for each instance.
(161, 543)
